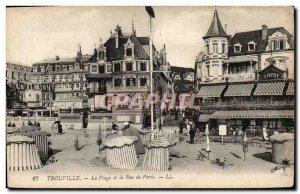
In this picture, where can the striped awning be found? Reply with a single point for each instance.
(210, 91)
(291, 89)
(203, 118)
(269, 89)
(253, 114)
(239, 90)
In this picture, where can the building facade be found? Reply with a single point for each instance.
(246, 80)
(19, 76)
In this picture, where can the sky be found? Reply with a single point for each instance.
(34, 34)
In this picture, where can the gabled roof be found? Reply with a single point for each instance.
(256, 36)
(271, 68)
(215, 29)
(113, 53)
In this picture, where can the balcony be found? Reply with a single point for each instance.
(96, 90)
(127, 89)
(63, 90)
(99, 76)
(240, 76)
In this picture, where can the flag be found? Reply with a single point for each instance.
(150, 11)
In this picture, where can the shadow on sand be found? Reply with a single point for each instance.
(267, 156)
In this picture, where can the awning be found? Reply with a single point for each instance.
(269, 89)
(291, 89)
(253, 114)
(203, 118)
(239, 90)
(210, 91)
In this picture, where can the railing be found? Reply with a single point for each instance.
(239, 76)
(127, 88)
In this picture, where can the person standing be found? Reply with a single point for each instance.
(131, 131)
(181, 126)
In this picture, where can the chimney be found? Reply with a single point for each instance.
(57, 57)
(164, 46)
(226, 28)
(264, 32)
(118, 33)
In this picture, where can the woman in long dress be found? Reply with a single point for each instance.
(131, 131)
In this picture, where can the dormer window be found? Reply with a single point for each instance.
(251, 46)
(129, 52)
(237, 48)
(278, 41)
(101, 55)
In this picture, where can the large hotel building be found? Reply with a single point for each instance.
(246, 80)
(116, 67)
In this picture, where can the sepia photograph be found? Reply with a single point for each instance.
(150, 97)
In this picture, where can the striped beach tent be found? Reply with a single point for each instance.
(120, 152)
(41, 141)
(157, 155)
(22, 154)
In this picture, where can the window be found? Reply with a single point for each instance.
(251, 47)
(207, 68)
(143, 66)
(77, 85)
(207, 48)
(128, 66)
(70, 68)
(130, 82)
(118, 82)
(215, 48)
(273, 45)
(102, 69)
(237, 48)
(281, 44)
(223, 48)
(117, 67)
(108, 68)
(57, 68)
(94, 68)
(102, 84)
(13, 75)
(143, 81)
(129, 52)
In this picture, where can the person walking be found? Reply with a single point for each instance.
(192, 133)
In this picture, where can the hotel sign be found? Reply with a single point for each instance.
(272, 75)
(271, 72)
